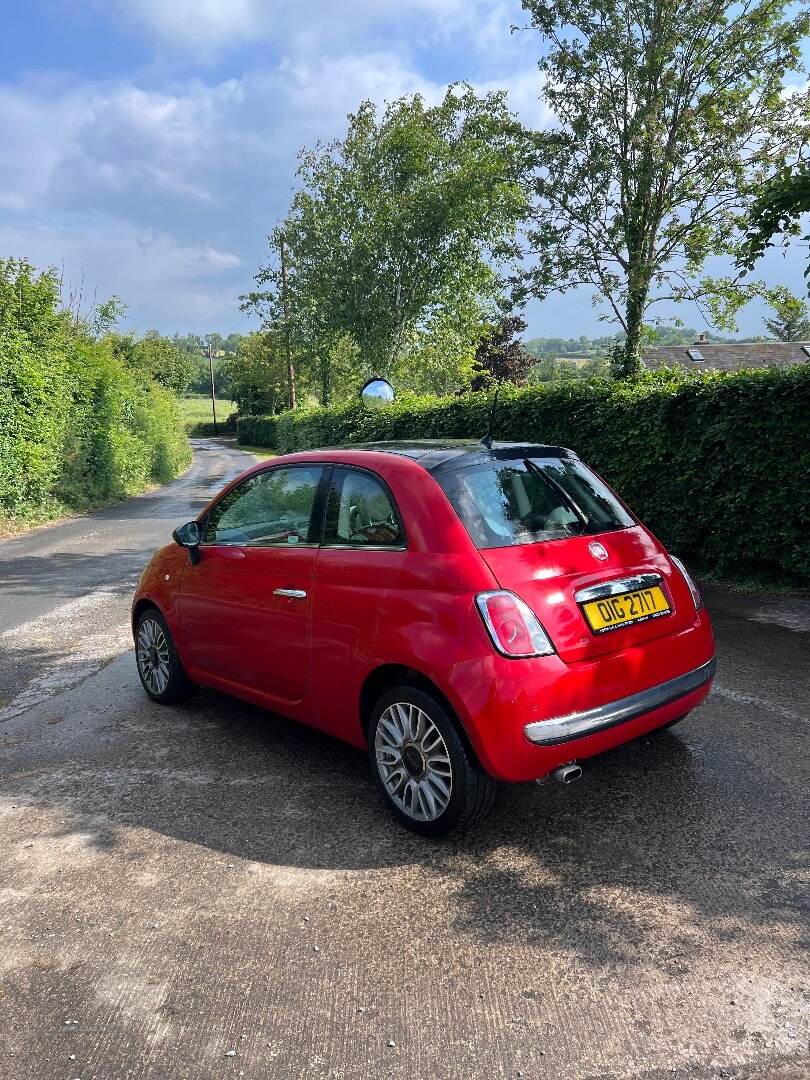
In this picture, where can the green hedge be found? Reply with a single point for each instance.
(259, 430)
(718, 465)
(78, 427)
(205, 429)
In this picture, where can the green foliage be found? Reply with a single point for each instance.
(500, 355)
(777, 210)
(548, 370)
(196, 415)
(205, 429)
(580, 346)
(439, 356)
(392, 239)
(791, 321)
(591, 348)
(258, 431)
(670, 116)
(156, 357)
(194, 347)
(256, 374)
(78, 426)
(716, 464)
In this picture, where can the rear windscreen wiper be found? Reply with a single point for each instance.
(561, 493)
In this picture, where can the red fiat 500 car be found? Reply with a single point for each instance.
(468, 614)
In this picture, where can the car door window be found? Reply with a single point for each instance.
(361, 512)
(272, 507)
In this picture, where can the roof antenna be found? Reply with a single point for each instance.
(487, 439)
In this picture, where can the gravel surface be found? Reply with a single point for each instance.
(212, 891)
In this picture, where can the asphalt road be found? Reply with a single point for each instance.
(210, 891)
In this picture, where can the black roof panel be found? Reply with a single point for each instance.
(433, 453)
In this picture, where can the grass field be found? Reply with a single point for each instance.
(258, 451)
(196, 409)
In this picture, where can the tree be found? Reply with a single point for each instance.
(215, 342)
(500, 355)
(792, 317)
(777, 211)
(551, 370)
(438, 357)
(256, 375)
(404, 216)
(671, 116)
(156, 357)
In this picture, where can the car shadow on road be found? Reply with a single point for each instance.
(660, 825)
(69, 575)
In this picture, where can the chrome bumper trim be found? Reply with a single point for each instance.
(563, 729)
(617, 586)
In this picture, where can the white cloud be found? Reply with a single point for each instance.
(165, 196)
(162, 190)
(166, 284)
(214, 26)
(123, 148)
(32, 142)
(194, 24)
(523, 90)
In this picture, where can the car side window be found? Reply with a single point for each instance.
(272, 507)
(361, 513)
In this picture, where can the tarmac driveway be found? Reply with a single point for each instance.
(211, 891)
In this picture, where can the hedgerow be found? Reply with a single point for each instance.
(717, 464)
(205, 429)
(78, 427)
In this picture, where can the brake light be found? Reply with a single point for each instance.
(512, 625)
(693, 589)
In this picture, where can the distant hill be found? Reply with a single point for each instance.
(585, 348)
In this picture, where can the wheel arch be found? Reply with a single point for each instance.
(386, 677)
(140, 607)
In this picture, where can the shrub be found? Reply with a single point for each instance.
(717, 465)
(206, 429)
(257, 430)
(78, 426)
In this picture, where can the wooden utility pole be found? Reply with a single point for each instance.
(290, 368)
(213, 390)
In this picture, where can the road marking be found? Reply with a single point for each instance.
(56, 618)
(792, 615)
(80, 637)
(758, 703)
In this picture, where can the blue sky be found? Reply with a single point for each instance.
(148, 146)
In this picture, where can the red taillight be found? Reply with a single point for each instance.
(512, 625)
(690, 581)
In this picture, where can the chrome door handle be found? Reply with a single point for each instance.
(296, 594)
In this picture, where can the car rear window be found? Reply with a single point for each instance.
(526, 501)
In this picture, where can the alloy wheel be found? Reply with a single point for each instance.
(413, 761)
(152, 654)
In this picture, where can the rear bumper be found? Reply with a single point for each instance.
(577, 725)
(526, 717)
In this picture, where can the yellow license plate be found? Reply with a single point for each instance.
(624, 609)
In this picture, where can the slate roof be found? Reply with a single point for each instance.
(728, 356)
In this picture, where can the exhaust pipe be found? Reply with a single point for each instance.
(565, 774)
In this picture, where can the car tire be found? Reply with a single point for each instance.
(161, 673)
(425, 773)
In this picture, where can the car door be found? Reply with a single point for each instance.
(361, 560)
(245, 606)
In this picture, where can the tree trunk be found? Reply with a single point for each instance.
(325, 388)
(629, 360)
(288, 350)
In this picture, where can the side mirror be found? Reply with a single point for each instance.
(376, 394)
(189, 536)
